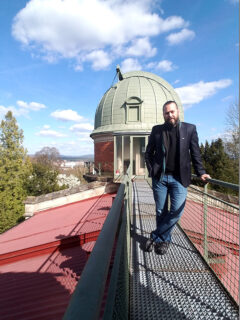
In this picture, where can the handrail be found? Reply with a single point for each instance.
(87, 298)
(220, 183)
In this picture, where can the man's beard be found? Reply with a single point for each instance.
(172, 123)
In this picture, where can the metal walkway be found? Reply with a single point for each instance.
(178, 285)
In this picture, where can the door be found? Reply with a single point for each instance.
(138, 164)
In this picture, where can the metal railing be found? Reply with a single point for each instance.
(212, 224)
(103, 289)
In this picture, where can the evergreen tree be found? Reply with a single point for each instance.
(43, 180)
(14, 169)
(218, 163)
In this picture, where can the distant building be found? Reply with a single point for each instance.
(65, 164)
(124, 119)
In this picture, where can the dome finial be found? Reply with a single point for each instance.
(120, 76)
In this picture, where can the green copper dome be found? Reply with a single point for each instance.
(134, 103)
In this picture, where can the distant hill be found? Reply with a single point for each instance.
(86, 157)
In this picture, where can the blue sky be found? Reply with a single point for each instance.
(58, 57)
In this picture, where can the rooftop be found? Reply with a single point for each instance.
(41, 259)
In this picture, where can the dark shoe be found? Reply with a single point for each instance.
(149, 245)
(161, 247)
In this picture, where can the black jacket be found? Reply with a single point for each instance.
(156, 152)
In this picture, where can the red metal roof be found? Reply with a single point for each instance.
(42, 258)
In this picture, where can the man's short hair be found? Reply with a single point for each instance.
(168, 102)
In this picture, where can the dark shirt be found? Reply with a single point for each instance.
(172, 164)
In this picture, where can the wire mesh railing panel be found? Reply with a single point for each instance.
(117, 303)
(88, 299)
(213, 227)
(121, 305)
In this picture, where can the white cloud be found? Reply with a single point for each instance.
(82, 127)
(130, 65)
(23, 108)
(4, 110)
(179, 37)
(46, 126)
(195, 93)
(151, 65)
(173, 22)
(57, 29)
(99, 58)
(165, 65)
(141, 47)
(50, 133)
(16, 112)
(66, 115)
(35, 106)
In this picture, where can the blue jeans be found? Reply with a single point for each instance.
(166, 220)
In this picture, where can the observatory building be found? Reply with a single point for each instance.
(124, 120)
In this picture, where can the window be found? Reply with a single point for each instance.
(133, 109)
(133, 113)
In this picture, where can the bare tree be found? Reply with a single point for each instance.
(232, 116)
(79, 172)
(232, 135)
(48, 156)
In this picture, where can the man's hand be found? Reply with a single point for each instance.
(204, 177)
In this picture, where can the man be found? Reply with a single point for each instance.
(170, 150)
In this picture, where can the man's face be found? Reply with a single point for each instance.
(171, 113)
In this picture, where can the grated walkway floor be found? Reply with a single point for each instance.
(179, 284)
